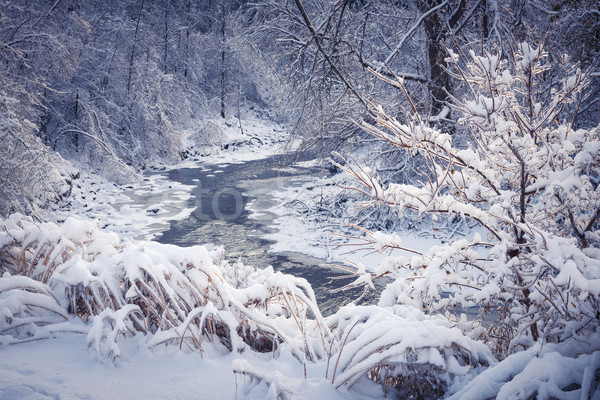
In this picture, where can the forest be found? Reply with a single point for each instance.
(472, 122)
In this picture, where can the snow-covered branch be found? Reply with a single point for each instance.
(524, 177)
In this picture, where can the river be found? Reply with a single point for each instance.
(221, 217)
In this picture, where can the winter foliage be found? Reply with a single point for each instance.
(116, 87)
(183, 296)
(35, 180)
(400, 347)
(530, 183)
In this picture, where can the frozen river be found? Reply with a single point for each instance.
(221, 217)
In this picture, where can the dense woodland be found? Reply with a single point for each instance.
(115, 86)
(482, 110)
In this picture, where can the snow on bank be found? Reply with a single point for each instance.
(309, 221)
(65, 369)
(144, 208)
(236, 141)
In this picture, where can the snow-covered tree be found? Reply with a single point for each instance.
(527, 178)
(29, 178)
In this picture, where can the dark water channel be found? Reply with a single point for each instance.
(221, 217)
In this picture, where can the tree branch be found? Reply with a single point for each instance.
(408, 34)
(327, 58)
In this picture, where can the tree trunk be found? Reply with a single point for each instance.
(137, 25)
(166, 35)
(439, 78)
(187, 41)
(484, 20)
(223, 17)
(75, 115)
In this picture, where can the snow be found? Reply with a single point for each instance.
(292, 231)
(66, 358)
(539, 372)
(257, 138)
(63, 368)
(137, 210)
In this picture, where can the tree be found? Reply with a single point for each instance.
(223, 51)
(29, 177)
(329, 49)
(527, 178)
(435, 25)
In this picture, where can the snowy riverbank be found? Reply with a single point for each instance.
(143, 208)
(61, 365)
(89, 311)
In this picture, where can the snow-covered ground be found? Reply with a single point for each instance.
(141, 209)
(64, 369)
(301, 228)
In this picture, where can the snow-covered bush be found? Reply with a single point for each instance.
(110, 327)
(528, 178)
(401, 348)
(541, 372)
(179, 295)
(25, 306)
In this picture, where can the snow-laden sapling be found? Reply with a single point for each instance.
(527, 177)
(402, 349)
